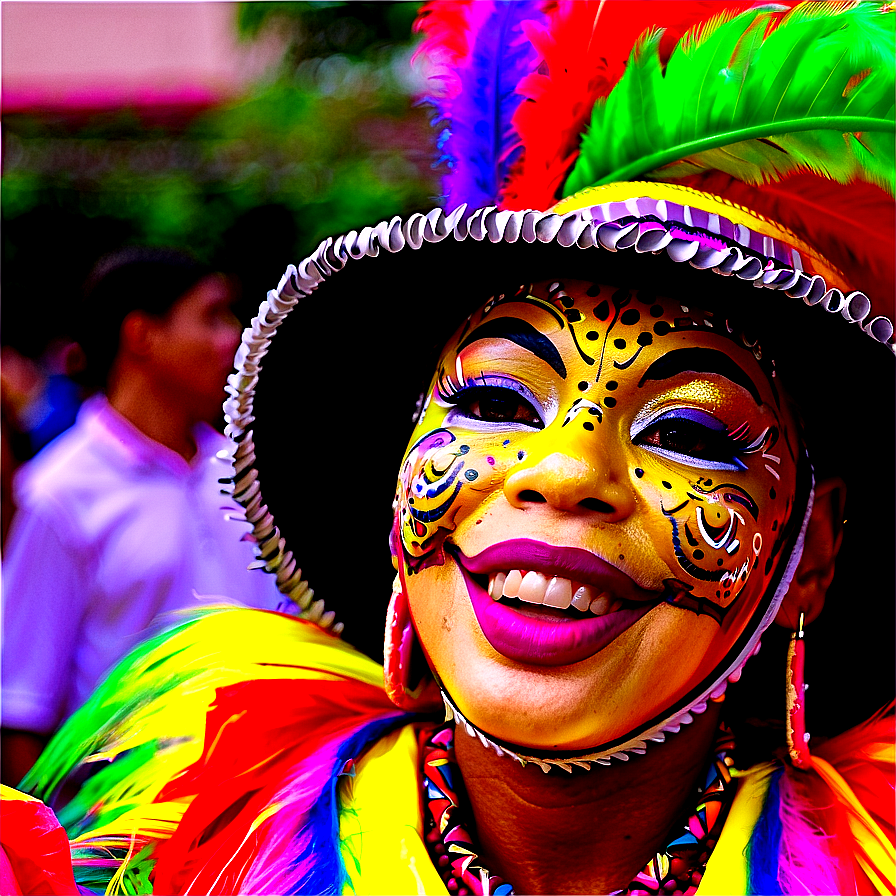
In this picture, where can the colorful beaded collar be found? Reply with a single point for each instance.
(676, 869)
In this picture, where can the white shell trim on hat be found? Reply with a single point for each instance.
(584, 228)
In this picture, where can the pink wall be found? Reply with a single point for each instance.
(100, 55)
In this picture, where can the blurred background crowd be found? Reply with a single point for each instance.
(239, 133)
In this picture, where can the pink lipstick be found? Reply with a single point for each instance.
(551, 638)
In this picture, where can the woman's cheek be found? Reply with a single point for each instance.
(444, 479)
(714, 534)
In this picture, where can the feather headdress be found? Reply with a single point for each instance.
(781, 104)
(480, 54)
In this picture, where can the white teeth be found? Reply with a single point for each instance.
(533, 587)
(581, 600)
(512, 583)
(601, 605)
(559, 593)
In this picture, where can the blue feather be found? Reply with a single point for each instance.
(319, 836)
(482, 145)
(764, 846)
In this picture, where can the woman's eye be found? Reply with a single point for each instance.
(497, 405)
(690, 439)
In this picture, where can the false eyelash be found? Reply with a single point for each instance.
(745, 444)
(740, 435)
(448, 391)
(735, 463)
(742, 442)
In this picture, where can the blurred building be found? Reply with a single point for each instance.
(242, 130)
(164, 59)
(97, 102)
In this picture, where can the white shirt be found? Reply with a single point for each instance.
(112, 529)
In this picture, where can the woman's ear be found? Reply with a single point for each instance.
(815, 571)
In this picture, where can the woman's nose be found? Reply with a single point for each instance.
(572, 481)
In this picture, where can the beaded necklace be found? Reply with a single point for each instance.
(676, 869)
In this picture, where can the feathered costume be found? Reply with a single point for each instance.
(253, 752)
(287, 778)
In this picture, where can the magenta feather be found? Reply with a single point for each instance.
(478, 142)
(805, 861)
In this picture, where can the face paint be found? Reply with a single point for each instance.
(595, 471)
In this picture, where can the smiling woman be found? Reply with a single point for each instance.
(649, 482)
(630, 450)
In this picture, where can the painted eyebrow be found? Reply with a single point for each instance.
(524, 335)
(700, 360)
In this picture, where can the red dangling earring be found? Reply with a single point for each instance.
(400, 646)
(797, 736)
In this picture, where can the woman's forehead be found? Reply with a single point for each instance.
(639, 313)
(601, 332)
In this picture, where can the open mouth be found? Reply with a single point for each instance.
(545, 605)
(531, 590)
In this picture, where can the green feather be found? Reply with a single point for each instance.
(95, 869)
(95, 726)
(816, 93)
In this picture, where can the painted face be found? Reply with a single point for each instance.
(591, 508)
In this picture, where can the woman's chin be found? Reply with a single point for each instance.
(551, 716)
(549, 735)
(580, 707)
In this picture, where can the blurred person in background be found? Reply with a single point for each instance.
(120, 519)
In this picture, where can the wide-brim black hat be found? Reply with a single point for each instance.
(332, 368)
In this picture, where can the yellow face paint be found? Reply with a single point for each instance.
(632, 452)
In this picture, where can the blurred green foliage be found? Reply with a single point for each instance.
(328, 140)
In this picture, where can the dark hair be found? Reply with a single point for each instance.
(149, 279)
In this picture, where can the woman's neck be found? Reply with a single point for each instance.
(588, 832)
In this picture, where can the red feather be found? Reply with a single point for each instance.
(34, 851)
(584, 50)
(863, 756)
(263, 738)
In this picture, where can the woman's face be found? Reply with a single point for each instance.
(590, 509)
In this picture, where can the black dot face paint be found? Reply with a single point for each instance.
(685, 414)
